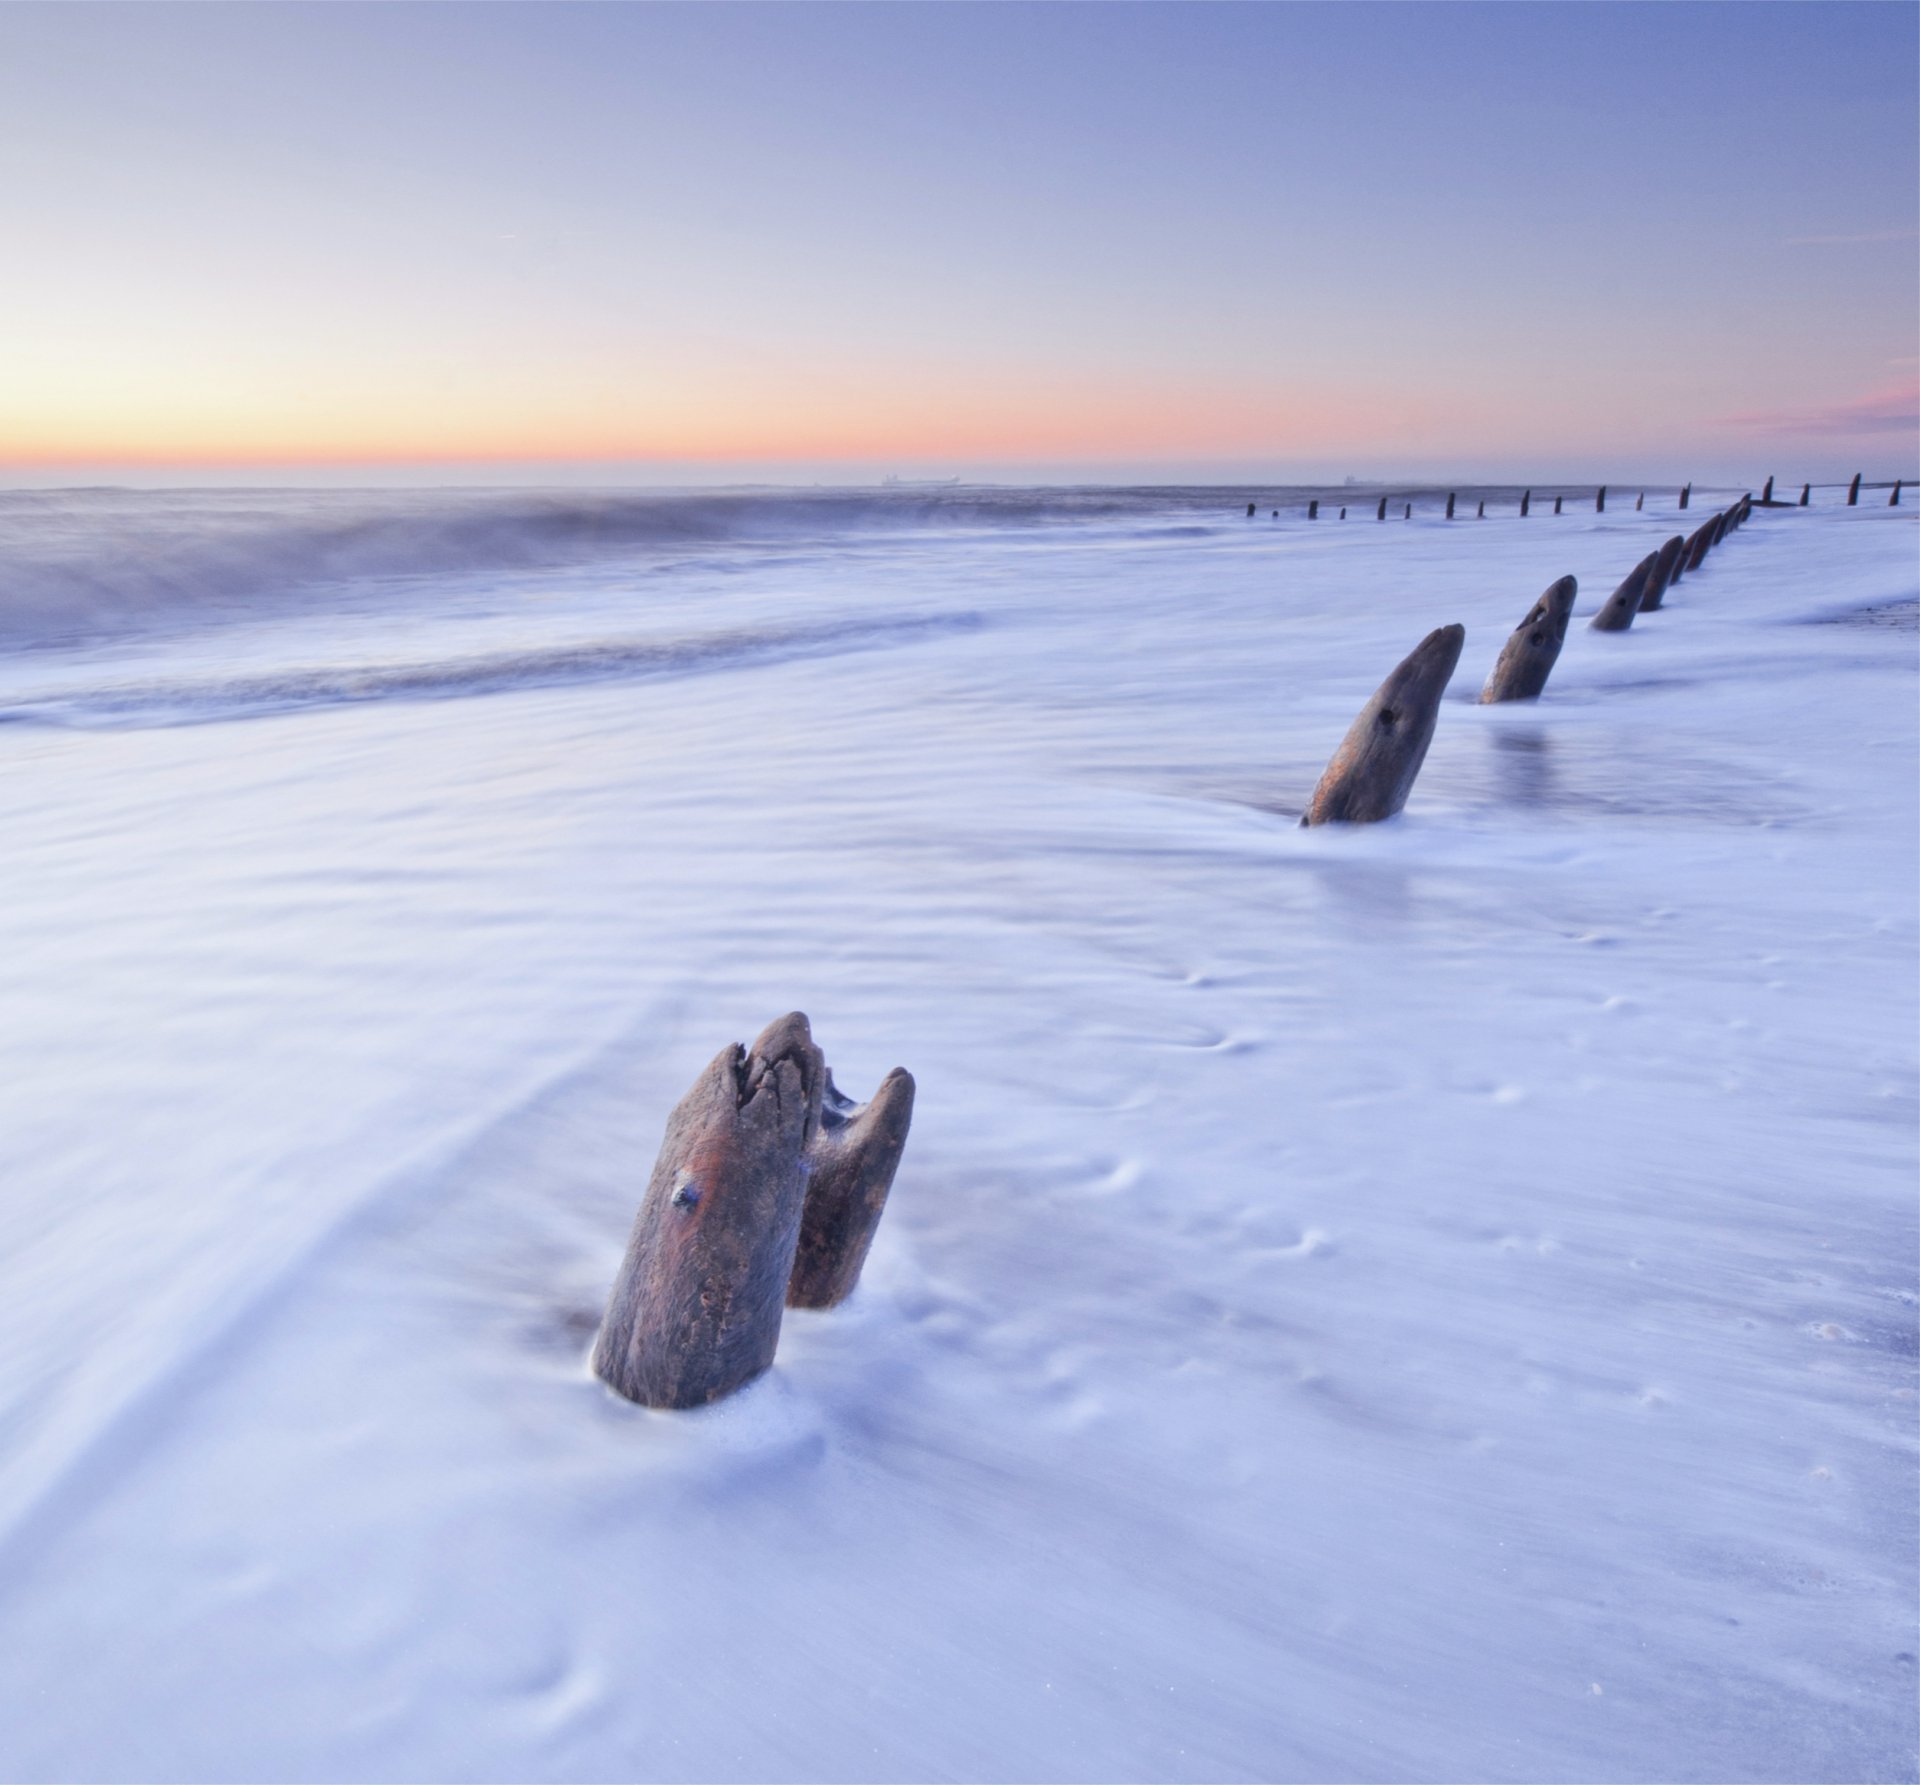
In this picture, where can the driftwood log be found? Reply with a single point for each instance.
(695, 1310)
(1620, 608)
(850, 1170)
(1660, 578)
(1374, 769)
(1528, 657)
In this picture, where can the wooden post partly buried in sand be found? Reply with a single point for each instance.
(1853, 491)
(1450, 505)
(1600, 501)
(1525, 502)
(695, 1310)
(1374, 769)
(1556, 504)
(1409, 514)
(1624, 603)
(1686, 495)
(1806, 490)
(1482, 515)
(1313, 510)
(1766, 493)
(1698, 544)
(1640, 502)
(1528, 656)
(1665, 568)
(1893, 501)
(850, 1169)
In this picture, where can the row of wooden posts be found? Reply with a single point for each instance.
(1600, 501)
(1379, 759)
(770, 1184)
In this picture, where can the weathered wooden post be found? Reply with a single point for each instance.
(1343, 514)
(1249, 511)
(850, 1170)
(1533, 647)
(1766, 493)
(1313, 510)
(1666, 568)
(1382, 515)
(1640, 502)
(1525, 501)
(1853, 492)
(1556, 505)
(1409, 513)
(1482, 515)
(1806, 490)
(1721, 522)
(1893, 501)
(695, 1310)
(1374, 769)
(1686, 495)
(1618, 612)
(1600, 501)
(1697, 543)
(1450, 505)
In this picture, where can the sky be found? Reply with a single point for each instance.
(731, 243)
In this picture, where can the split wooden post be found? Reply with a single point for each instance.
(1686, 495)
(1853, 492)
(1374, 769)
(1618, 612)
(850, 1170)
(1666, 568)
(695, 1310)
(1533, 647)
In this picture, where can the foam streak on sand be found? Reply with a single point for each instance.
(1433, 1300)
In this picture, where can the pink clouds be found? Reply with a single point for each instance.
(1894, 410)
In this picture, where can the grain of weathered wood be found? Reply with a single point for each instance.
(1617, 613)
(1375, 767)
(1532, 649)
(1665, 569)
(695, 1310)
(850, 1170)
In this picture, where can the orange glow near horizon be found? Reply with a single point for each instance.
(727, 427)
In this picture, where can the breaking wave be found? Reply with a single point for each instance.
(78, 563)
(206, 700)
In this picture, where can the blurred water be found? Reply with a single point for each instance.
(1433, 1301)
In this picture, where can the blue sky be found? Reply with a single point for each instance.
(988, 239)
